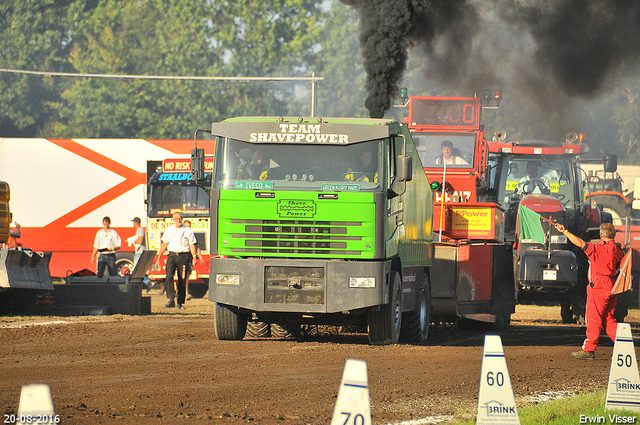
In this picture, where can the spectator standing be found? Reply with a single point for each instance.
(190, 264)
(179, 241)
(105, 245)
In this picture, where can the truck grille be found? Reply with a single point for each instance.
(296, 236)
(294, 285)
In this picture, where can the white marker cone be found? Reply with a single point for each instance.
(496, 403)
(353, 406)
(623, 391)
(35, 402)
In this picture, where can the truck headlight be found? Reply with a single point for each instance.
(228, 279)
(559, 239)
(362, 282)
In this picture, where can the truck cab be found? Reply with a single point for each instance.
(320, 221)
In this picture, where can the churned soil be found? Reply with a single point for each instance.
(169, 368)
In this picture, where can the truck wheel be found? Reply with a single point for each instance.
(386, 322)
(415, 324)
(230, 325)
(614, 205)
(124, 266)
(285, 331)
(258, 330)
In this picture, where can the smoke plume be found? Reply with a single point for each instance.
(388, 28)
(552, 50)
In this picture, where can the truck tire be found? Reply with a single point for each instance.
(386, 321)
(615, 205)
(285, 331)
(124, 266)
(415, 324)
(230, 325)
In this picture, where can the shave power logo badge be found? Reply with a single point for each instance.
(290, 208)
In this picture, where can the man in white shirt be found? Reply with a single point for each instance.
(532, 181)
(106, 243)
(178, 240)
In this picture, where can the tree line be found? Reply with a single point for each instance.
(287, 38)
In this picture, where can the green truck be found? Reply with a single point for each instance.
(320, 221)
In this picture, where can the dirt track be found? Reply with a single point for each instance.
(169, 368)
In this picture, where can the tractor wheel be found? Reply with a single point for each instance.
(285, 331)
(415, 324)
(258, 329)
(230, 325)
(385, 322)
(197, 289)
(614, 205)
(578, 300)
(565, 309)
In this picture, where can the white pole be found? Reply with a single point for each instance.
(444, 186)
(314, 89)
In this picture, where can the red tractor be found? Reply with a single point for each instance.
(546, 177)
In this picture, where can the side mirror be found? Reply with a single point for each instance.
(197, 164)
(610, 162)
(405, 168)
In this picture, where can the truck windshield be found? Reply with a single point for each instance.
(536, 174)
(355, 167)
(454, 150)
(165, 199)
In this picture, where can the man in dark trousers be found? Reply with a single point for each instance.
(105, 245)
(178, 240)
(604, 259)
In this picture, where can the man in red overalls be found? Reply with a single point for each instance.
(604, 259)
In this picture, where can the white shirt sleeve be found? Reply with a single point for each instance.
(116, 239)
(191, 237)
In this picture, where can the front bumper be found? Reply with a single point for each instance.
(297, 285)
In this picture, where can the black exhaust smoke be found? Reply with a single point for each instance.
(576, 44)
(388, 28)
(580, 42)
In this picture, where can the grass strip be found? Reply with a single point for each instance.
(587, 408)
